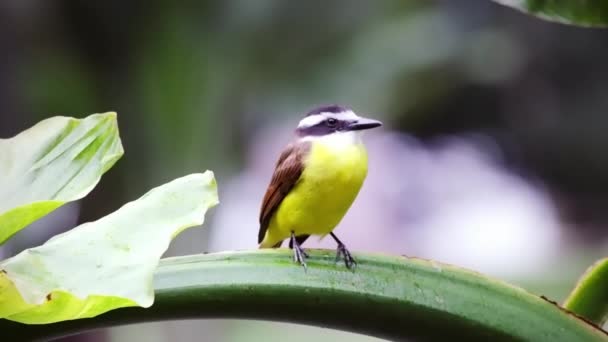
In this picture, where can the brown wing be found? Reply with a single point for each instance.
(286, 174)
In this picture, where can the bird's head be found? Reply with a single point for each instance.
(332, 119)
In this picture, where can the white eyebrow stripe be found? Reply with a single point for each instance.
(310, 121)
(346, 116)
(315, 119)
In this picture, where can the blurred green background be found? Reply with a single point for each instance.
(492, 155)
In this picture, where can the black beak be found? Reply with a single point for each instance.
(363, 123)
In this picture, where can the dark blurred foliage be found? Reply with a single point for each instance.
(192, 81)
(142, 58)
(550, 117)
(163, 63)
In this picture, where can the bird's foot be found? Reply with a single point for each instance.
(344, 254)
(299, 255)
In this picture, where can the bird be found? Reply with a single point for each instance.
(316, 179)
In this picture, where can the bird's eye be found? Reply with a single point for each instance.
(331, 122)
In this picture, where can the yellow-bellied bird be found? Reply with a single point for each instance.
(316, 179)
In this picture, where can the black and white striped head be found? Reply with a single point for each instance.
(331, 119)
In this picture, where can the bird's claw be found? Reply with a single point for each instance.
(344, 254)
(299, 256)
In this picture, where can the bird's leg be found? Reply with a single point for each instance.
(349, 261)
(300, 240)
(299, 255)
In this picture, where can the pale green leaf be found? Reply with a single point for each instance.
(58, 160)
(586, 13)
(106, 264)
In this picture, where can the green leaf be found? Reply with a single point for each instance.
(588, 13)
(106, 264)
(590, 296)
(58, 160)
(396, 298)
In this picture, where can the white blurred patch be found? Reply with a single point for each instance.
(483, 217)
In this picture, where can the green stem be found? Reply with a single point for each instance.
(590, 296)
(388, 297)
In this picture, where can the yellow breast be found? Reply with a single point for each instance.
(334, 171)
